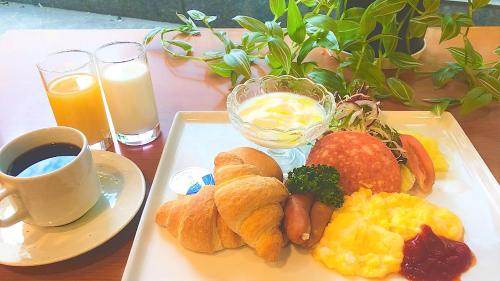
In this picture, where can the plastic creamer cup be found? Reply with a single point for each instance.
(190, 180)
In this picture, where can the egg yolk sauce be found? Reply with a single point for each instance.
(281, 110)
(366, 236)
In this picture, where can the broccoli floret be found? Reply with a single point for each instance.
(321, 180)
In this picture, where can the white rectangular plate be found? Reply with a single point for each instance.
(468, 189)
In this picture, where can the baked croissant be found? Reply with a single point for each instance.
(196, 224)
(250, 203)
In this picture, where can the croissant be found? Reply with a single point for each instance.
(250, 203)
(196, 224)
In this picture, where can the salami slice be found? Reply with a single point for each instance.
(361, 160)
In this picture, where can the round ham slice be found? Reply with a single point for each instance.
(361, 160)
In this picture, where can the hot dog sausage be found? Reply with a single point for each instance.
(297, 222)
(320, 216)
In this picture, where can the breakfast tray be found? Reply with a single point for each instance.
(468, 189)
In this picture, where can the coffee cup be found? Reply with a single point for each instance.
(49, 177)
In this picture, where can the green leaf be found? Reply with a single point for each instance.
(332, 81)
(296, 70)
(234, 78)
(181, 44)
(183, 18)
(280, 50)
(276, 71)
(490, 83)
(307, 47)
(445, 74)
(440, 107)
(413, 4)
(277, 7)
(475, 99)
(400, 90)
(238, 60)
(367, 23)
(209, 19)
(452, 101)
(323, 22)
(389, 43)
(431, 6)
(387, 19)
(249, 39)
(404, 60)
(381, 36)
(188, 27)
(328, 41)
(295, 25)
(272, 61)
(417, 29)
(429, 20)
(251, 24)
(274, 29)
(449, 28)
(476, 4)
(344, 30)
(387, 7)
(196, 15)
(474, 59)
(221, 68)
(354, 14)
(213, 54)
(151, 34)
(367, 71)
(308, 67)
(228, 44)
(309, 3)
(463, 19)
(497, 51)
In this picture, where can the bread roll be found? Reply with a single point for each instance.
(265, 163)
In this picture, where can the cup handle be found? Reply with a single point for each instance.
(20, 213)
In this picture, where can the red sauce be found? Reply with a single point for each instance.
(428, 257)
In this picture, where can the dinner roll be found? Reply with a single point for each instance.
(262, 161)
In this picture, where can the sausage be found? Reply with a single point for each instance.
(297, 222)
(320, 216)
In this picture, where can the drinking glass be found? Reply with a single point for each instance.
(126, 81)
(281, 143)
(72, 87)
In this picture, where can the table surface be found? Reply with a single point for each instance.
(183, 85)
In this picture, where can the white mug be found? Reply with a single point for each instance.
(54, 198)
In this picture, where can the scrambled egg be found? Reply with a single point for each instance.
(366, 236)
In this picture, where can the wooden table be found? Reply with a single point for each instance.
(179, 85)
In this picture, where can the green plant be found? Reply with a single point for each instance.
(482, 78)
(327, 24)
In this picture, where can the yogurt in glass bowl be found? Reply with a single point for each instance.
(281, 113)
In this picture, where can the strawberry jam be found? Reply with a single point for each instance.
(428, 257)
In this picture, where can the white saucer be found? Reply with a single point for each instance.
(123, 190)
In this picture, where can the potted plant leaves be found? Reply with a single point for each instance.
(383, 30)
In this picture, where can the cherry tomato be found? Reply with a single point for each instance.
(419, 162)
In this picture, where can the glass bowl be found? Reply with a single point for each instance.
(281, 141)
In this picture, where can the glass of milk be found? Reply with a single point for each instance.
(126, 81)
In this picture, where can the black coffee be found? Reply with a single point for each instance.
(43, 159)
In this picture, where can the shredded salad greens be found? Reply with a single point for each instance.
(360, 112)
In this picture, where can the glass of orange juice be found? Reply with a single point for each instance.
(74, 94)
